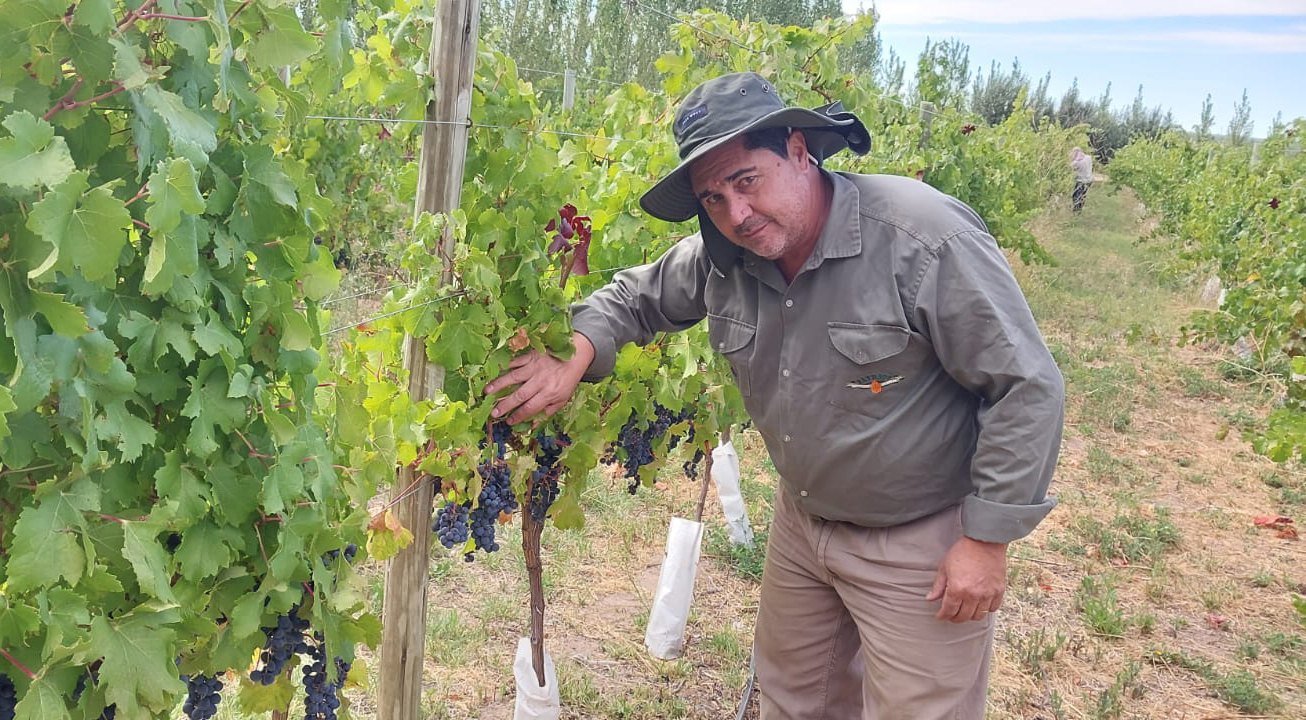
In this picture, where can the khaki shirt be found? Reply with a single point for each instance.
(899, 374)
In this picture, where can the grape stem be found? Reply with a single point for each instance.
(29, 673)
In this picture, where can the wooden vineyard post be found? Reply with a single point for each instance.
(439, 189)
(927, 122)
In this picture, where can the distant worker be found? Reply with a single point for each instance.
(1083, 167)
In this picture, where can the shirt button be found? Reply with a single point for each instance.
(787, 438)
(789, 303)
(785, 372)
(721, 346)
(803, 493)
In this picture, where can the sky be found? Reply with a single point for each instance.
(1178, 50)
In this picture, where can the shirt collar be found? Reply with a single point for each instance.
(841, 237)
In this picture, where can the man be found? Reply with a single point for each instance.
(891, 364)
(1082, 165)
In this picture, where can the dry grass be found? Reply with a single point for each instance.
(1148, 593)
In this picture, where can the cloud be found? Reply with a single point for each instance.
(918, 12)
(1228, 41)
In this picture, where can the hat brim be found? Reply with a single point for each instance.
(827, 131)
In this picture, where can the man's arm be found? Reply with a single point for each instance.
(982, 330)
(663, 296)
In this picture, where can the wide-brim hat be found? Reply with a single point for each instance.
(724, 108)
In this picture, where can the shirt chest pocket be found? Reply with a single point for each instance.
(869, 368)
(734, 339)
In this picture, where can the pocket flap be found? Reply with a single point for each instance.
(868, 343)
(727, 334)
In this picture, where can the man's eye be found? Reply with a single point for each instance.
(711, 199)
(747, 180)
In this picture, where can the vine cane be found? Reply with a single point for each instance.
(707, 477)
(530, 540)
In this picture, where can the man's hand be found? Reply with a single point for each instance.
(971, 580)
(546, 383)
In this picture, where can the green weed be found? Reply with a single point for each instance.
(1238, 688)
(1096, 601)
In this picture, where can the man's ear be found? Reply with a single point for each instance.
(798, 149)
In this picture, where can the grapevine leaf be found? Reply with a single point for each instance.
(206, 549)
(127, 66)
(63, 317)
(177, 483)
(148, 559)
(90, 53)
(235, 496)
(567, 513)
(138, 662)
(32, 156)
(43, 700)
(386, 536)
(65, 614)
(282, 485)
(283, 42)
(186, 127)
(16, 621)
(259, 699)
(295, 332)
(134, 434)
(174, 189)
(214, 338)
(87, 228)
(96, 15)
(44, 547)
(6, 406)
(319, 277)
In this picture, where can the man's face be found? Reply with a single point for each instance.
(759, 200)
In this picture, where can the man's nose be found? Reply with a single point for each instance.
(739, 210)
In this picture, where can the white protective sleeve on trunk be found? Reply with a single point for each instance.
(535, 702)
(725, 473)
(666, 622)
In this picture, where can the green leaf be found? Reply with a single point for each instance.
(96, 15)
(63, 317)
(45, 546)
(282, 487)
(134, 434)
(87, 228)
(174, 189)
(319, 277)
(43, 700)
(258, 699)
(283, 42)
(148, 559)
(214, 338)
(32, 156)
(177, 483)
(6, 406)
(295, 332)
(185, 126)
(138, 664)
(206, 549)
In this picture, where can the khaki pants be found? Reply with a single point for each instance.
(844, 631)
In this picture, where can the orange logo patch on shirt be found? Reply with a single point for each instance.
(875, 382)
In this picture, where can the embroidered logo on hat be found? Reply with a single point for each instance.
(875, 382)
(691, 115)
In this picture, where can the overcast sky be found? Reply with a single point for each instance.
(1179, 51)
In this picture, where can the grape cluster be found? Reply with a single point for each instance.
(284, 641)
(450, 525)
(321, 695)
(202, 696)
(691, 466)
(544, 478)
(500, 434)
(351, 551)
(8, 698)
(496, 497)
(638, 443)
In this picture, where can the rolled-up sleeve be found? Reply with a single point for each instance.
(663, 296)
(975, 315)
